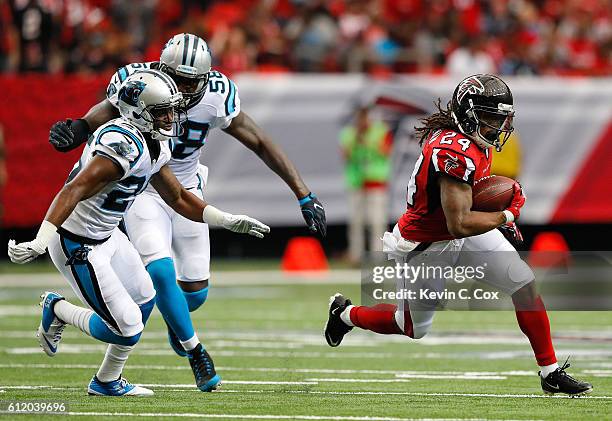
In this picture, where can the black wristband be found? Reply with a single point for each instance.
(80, 128)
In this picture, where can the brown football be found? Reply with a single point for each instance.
(492, 194)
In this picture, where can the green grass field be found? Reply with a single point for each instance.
(265, 334)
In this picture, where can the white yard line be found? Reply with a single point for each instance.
(356, 393)
(220, 278)
(342, 380)
(478, 395)
(450, 376)
(397, 373)
(153, 350)
(264, 417)
(297, 338)
(225, 382)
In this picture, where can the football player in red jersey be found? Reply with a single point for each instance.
(456, 144)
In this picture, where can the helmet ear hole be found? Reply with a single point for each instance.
(142, 92)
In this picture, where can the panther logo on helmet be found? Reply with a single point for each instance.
(471, 85)
(130, 92)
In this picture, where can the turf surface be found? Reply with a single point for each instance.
(268, 347)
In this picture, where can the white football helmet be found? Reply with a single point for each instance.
(146, 97)
(186, 58)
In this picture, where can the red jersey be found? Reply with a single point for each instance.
(444, 152)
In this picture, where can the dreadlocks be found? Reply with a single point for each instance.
(437, 121)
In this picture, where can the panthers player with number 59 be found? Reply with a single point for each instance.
(165, 240)
(81, 231)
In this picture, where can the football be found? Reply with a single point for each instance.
(492, 194)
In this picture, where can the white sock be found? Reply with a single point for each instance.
(114, 360)
(191, 343)
(345, 316)
(545, 370)
(73, 315)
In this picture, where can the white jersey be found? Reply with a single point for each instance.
(219, 105)
(118, 140)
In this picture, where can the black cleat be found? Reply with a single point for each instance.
(560, 382)
(203, 368)
(335, 328)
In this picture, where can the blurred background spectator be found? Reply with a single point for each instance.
(566, 37)
(366, 146)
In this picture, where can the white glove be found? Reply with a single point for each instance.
(241, 224)
(26, 252)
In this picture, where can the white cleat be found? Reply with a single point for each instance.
(50, 330)
(120, 387)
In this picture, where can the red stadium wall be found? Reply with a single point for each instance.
(30, 105)
(571, 154)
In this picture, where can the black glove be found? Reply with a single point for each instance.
(68, 135)
(314, 214)
(512, 234)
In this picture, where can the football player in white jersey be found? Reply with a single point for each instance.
(172, 247)
(97, 259)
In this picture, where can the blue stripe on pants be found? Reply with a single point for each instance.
(87, 282)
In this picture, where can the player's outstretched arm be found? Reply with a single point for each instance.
(253, 137)
(192, 207)
(456, 199)
(68, 134)
(94, 177)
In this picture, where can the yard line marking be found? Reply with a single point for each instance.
(95, 349)
(264, 417)
(295, 339)
(144, 350)
(192, 386)
(423, 394)
(11, 310)
(484, 375)
(599, 373)
(222, 278)
(397, 373)
(365, 339)
(341, 380)
(365, 393)
(406, 378)
(449, 376)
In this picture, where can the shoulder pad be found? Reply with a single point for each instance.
(222, 94)
(120, 142)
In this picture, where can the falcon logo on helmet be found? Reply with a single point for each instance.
(482, 107)
(471, 85)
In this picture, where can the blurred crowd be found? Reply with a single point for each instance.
(567, 37)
